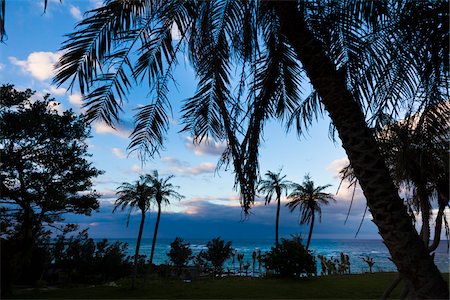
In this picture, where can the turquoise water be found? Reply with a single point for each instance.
(356, 249)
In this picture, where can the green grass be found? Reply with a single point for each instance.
(365, 286)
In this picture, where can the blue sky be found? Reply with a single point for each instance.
(211, 206)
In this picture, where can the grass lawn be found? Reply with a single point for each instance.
(365, 286)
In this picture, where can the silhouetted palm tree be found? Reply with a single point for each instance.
(309, 199)
(162, 192)
(135, 195)
(359, 56)
(274, 185)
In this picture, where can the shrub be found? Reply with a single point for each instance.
(290, 259)
(216, 255)
(180, 253)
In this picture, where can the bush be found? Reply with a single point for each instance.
(290, 259)
(216, 255)
(180, 253)
(86, 261)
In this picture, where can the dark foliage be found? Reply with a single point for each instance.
(180, 254)
(82, 260)
(290, 259)
(216, 255)
(44, 172)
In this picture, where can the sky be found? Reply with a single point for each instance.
(211, 205)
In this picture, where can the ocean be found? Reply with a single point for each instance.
(356, 249)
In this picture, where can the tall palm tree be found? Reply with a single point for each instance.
(362, 59)
(162, 192)
(309, 199)
(274, 185)
(135, 195)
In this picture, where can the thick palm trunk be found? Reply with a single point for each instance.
(310, 231)
(136, 254)
(277, 220)
(407, 250)
(155, 234)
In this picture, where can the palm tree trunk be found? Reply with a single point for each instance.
(277, 222)
(310, 231)
(154, 235)
(136, 254)
(388, 210)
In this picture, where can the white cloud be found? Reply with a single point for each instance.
(57, 90)
(40, 65)
(103, 128)
(184, 168)
(76, 13)
(203, 168)
(56, 106)
(337, 165)
(76, 99)
(2, 66)
(175, 32)
(118, 152)
(207, 146)
(136, 168)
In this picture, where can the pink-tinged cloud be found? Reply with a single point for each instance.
(206, 147)
(179, 167)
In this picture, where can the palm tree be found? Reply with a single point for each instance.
(162, 192)
(359, 57)
(135, 196)
(309, 199)
(274, 185)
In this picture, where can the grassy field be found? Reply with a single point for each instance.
(365, 286)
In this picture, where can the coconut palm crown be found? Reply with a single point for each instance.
(309, 199)
(274, 185)
(135, 196)
(162, 192)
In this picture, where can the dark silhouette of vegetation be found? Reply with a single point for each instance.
(180, 254)
(369, 261)
(309, 199)
(45, 173)
(215, 256)
(79, 259)
(162, 192)
(135, 196)
(274, 185)
(363, 59)
(290, 259)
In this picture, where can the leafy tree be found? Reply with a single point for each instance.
(309, 199)
(45, 172)
(290, 259)
(216, 255)
(274, 185)
(180, 253)
(135, 196)
(361, 58)
(162, 191)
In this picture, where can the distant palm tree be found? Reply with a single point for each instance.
(135, 196)
(274, 184)
(162, 191)
(309, 199)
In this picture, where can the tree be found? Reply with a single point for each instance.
(361, 58)
(309, 199)
(135, 196)
(180, 253)
(290, 259)
(162, 192)
(44, 171)
(217, 253)
(274, 185)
